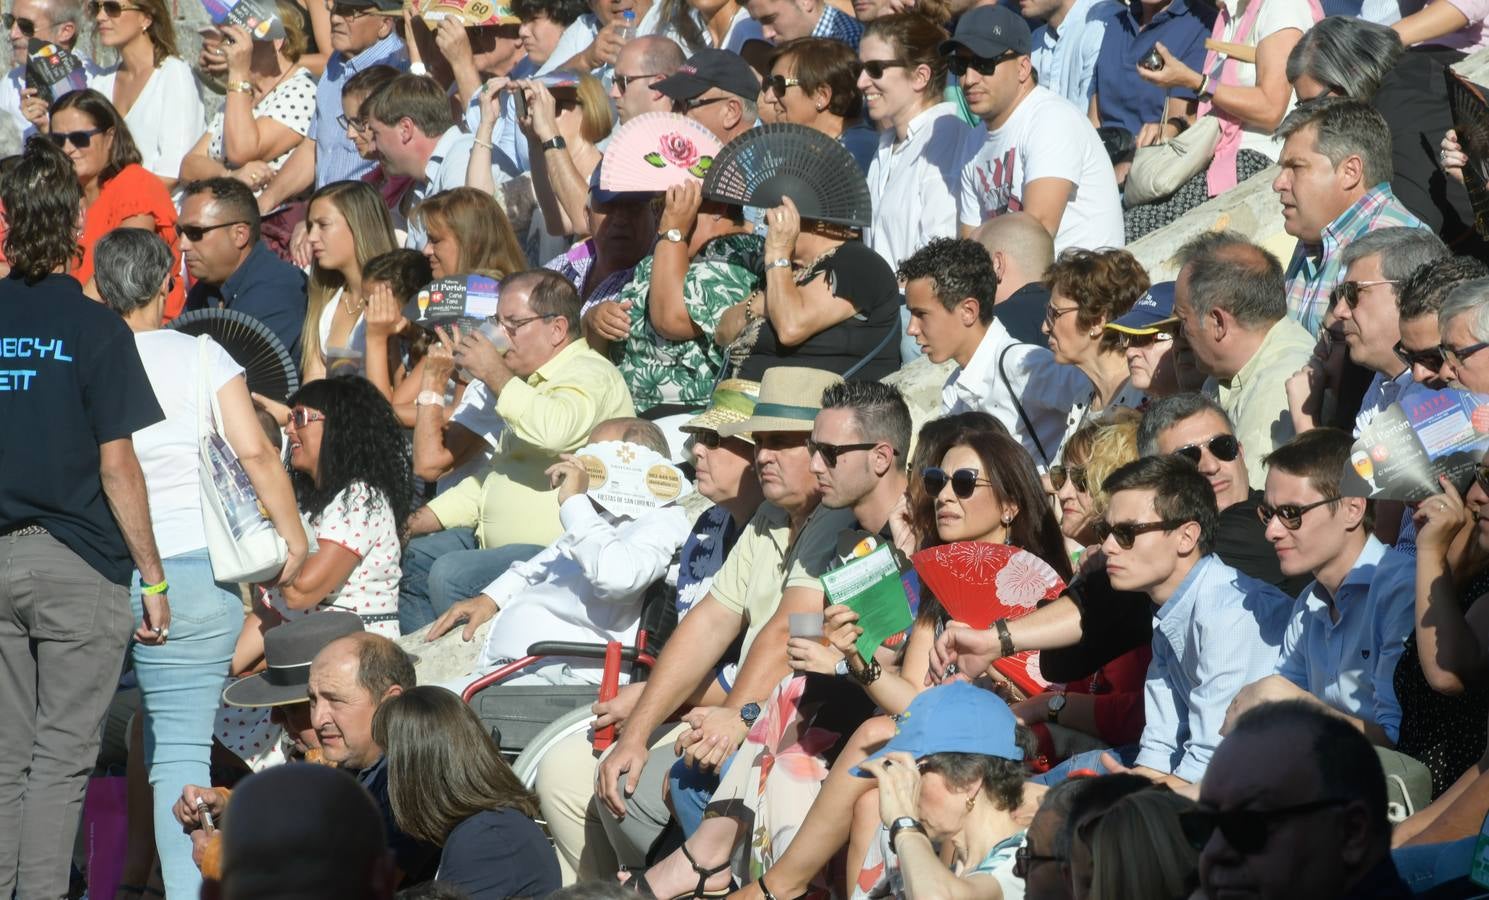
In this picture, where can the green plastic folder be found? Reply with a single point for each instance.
(871, 587)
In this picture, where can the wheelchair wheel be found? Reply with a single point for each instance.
(571, 723)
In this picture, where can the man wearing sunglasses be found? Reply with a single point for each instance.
(1420, 347)
(1348, 628)
(1294, 805)
(1041, 154)
(641, 64)
(54, 21)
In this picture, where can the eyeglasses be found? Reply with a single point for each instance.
(1246, 830)
(346, 11)
(1290, 513)
(963, 481)
(687, 106)
(26, 27)
(1127, 533)
(624, 81)
(1223, 447)
(357, 124)
(302, 416)
(515, 325)
(1349, 291)
(1457, 355)
(777, 84)
(1052, 315)
(1128, 341)
(1075, 474)
(195, 233)
(960, 64)
(830, 452)
(875, 68)
(1481, 475)
(79, 139)
(1431, 358)
(708, 438)
(113, 9)
(1023, 857)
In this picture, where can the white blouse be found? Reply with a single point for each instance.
(166, 119)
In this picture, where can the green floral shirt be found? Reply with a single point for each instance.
(725, 272)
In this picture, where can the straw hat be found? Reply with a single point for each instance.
(790, 398)
(733, 401)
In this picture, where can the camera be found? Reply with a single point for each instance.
(1152, 60)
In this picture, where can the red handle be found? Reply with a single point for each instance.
(609, 687)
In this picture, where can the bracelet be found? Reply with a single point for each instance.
(782, 263)
(150, 590)
(480, 143)
(1204, 81)
(1005, 638)
(430, 398)
(868, 674)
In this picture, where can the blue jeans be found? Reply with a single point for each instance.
(181, 685)
(691, 790)
(1091, 759)
(443, 568)
(1426, 866)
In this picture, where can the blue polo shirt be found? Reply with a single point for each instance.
(265, 287)
(1125, 99)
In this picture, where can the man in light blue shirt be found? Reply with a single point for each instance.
(1214, 631)
(1067, 44)
(1349, 626)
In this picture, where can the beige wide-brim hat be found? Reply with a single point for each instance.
(733, 401)
(790, 398)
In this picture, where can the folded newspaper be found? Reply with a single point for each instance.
(1424, 435)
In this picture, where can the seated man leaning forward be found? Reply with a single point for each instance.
(585, 587)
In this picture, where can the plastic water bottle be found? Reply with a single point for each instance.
(628, 25)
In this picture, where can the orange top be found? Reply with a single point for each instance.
(134, 191)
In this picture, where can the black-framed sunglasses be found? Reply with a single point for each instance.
(26, 27)
(963, 481)
(304, 415)
(777, 85)
(1431, 358)
(1459, 355)
(195, 233)
(692, 103)
(1139, 341)
(624, 81)
(1023, 858)
(1349, 291)
(831, 452)
(959, 64)
(1291, 514)
(1223, 447)
(708, 438)
(113, 9)
(875, 68)
(1246, 830)
(1076, 475)
(1126, 533)
(79, 139)
(357, 124)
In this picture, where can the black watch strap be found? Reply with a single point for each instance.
(1005, 638)
(903, 823)
(556, 143)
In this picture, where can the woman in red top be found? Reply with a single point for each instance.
(118, 192)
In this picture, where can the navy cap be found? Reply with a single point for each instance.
(1153, 309)
(989, 32)
(954, 718)
(711, 68)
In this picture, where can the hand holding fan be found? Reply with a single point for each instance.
(655, 151)
(1471, 122)
(978, 583)
(765, 164)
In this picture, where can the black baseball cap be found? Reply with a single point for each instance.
(711, 68)
(988, 32)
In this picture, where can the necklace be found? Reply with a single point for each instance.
(352, 310)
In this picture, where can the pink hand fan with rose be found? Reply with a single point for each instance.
(655, 151)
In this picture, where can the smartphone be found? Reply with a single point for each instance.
(520, 97)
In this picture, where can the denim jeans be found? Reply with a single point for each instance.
(1091, 759)
(691, 790)
(1426, 866)
(443, 568)
(181, 685)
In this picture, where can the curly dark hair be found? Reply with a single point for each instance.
(42, 197)
(362, 441)
(1002, 779)
(105, 117)
(1424, 289)
(1103, 283)
(958, 268)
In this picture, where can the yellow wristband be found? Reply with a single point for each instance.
(150, 590)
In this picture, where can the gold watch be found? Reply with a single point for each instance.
(243, 87)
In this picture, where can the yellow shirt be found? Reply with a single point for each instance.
(552, 411)
(764, 563)
(1255, 398)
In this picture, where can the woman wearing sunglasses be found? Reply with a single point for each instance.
(151, 86)
(180, 680)
(118, 192)
(267, 112)
(812, 82)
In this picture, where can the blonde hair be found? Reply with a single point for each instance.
(295, 41)
(372, 234)
(476, 220)
(1114, 446)
(594, 109)
(1146, 821)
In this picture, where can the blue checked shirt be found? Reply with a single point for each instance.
(839, 26)
(336, 157)
(1219, 632)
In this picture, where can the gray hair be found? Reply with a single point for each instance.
(1228, 271)
(1166, 412)
(1470, 297)
(129, 264)
(1401, 250)
(749, 109)
(1349, 56)
(1346, 128)
(1423, 291)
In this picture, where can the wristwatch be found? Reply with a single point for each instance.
(556, 143)
(841, 669)
(782, 263)
(903, 823)
(1005, 637)
(1056, 704)
(672, 234)
(242, 87)
(429, 398)
(749, 713)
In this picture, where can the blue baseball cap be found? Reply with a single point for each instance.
(953, 718)
(1152, 311)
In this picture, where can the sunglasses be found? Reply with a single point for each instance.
(303, 416)
(195, 233)
(1129, 341)
(624, 81)
(709, 439)
(1431, 358)
(963, 481)
(1223, 447)
(113, 9)
(1291, 514)
(831, 452)
(1481, 476)
(79, 139)
(1023, 858)
(777, 85)
(1458, 355)
(1246, 830)
(875, 68)
(1076, 475)
(1349, 291)
(960, 64)
(26, 27)
(1126, 533)
(687, 106)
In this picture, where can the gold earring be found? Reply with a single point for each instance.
(971, 802)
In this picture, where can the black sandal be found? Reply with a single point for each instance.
(640, 885)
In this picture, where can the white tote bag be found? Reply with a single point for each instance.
(241, 541)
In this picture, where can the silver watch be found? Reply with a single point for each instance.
(841, 669)
(672, 234)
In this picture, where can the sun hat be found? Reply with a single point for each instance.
(288, 651)
(1153, 310)
(733, 401)
(956, 717)
(790, 398)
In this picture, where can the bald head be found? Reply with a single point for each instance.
(641, 432)
(654, 53)
(1021, 248)
(1224, 270)
(304, 831)
(643, 62)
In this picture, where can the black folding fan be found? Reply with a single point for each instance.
(267, 366)
(1471, 122)
(764, 164)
